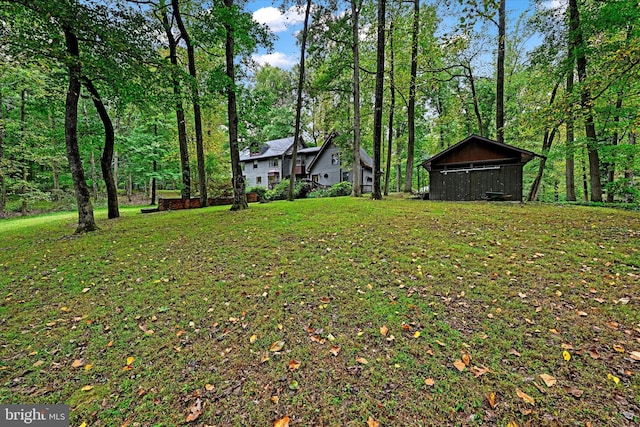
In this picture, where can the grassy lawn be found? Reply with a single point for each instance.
(329, 311)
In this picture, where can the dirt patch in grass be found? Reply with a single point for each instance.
(329, 311)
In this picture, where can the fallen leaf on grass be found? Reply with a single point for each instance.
(613, 378)
(87, 388)
(84, 424)
(574, 391)
(274, 399)
(512, 424)
(514, 352)
(276, 346)
(566, 355)
(491, 398)
(77, 363)
(317, 339)
(548, 380)
(612, 325)
(264, 357)
(294, 364)
(635, 355)
(524, 396)
(335, 350)
(459, 364)
(130, 360)
(38, 363)
(581, 313)
(372, 423)
(479, 371)
(195, 411)
(416, 334)
(253, 338)
(618, 348)
(88, 367)
(466, 359)
(209, 387)
(429, 381)
(384, 331)
(362, 360)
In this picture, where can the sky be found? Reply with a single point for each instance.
(285, 25)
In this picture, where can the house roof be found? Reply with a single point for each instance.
(309, 150)
(365, 159)
(505, 150)
(274, 148)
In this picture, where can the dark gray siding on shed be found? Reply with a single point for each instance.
(473, 184)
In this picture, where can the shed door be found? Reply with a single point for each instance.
(452, 186)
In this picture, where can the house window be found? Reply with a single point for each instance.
(335, 159)
(274, 162)
(258, 180)
(314, 178)
(255, 164)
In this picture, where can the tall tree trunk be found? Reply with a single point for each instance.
(296, 135)
(94, 176)
(355, 32)
(546, 146)
(92, 160)
(3, 188)
(239, 195)
(398, 164)
(411, 107)
(177, 93)
(130, 186)
(586, 101)
(500, 72)
(195, 97)
(86, 221)
(377, 115)
(611, 176)
(569, 157)
(392, 106)
(474, 96)
(155, 169)
(23, 137)
(107, 151)
(116, 165)
(585, 179)
(440, 111)
(628, 172)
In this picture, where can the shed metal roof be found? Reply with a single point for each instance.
(521, 154)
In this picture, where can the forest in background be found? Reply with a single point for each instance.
(166, 92)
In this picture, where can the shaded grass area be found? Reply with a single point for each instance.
(198, 297)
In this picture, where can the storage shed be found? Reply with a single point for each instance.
(477, 168)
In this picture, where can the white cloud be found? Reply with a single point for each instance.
(276, 20)
(276, 59)
(558, 5)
